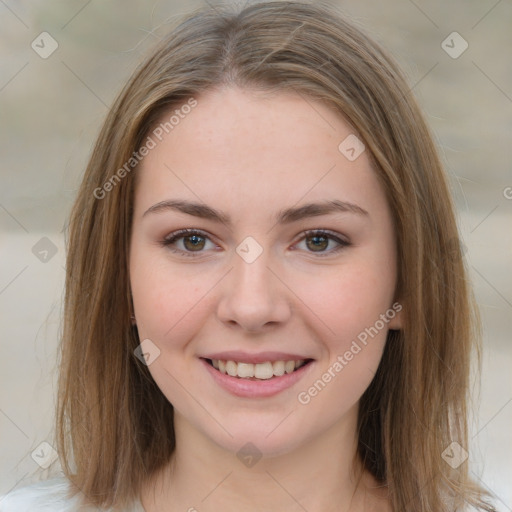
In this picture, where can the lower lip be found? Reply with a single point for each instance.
(256, 388)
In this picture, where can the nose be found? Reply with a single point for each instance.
(253, 298)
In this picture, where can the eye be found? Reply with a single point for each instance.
(318, 241)
(192, 242)
(188, 242)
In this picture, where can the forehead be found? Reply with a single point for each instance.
(245, 146)
(234, 122)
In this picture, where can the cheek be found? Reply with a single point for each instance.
(350, 301)
(165, 302)
(354, 343)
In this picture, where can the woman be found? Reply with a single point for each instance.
(266, 303)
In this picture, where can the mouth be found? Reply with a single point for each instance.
(266, 370)
(256, 375)
(262, 378)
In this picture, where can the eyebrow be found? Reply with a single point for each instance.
(286, 216)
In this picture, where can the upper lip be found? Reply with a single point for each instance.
(260, 357)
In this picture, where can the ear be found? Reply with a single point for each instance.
(395, 314)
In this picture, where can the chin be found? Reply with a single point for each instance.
(270, 437)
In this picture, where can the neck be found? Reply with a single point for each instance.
(321, 475)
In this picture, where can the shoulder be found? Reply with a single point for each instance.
(51, 495)
(47, 496)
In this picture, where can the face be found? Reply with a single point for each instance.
(267, 318)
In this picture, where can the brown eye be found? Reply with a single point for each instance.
(194, 242)
(317, 243)
(323, 243)
(188, 242)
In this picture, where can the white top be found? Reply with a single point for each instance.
(50, 496)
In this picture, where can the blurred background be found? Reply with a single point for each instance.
(61, 65)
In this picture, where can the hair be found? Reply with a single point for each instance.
(114, 425)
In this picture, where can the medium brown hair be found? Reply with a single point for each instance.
(114, 425)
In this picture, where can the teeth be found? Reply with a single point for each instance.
(246, 370)
(231, 368)
(263, 371)
(289, 366)
(278, 368)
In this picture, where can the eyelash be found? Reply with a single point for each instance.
(183, 233)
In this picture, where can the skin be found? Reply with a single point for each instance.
(251, 154)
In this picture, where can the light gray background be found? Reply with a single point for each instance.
(51, 110)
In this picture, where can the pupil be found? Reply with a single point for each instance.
(322, 240)
(195, 240)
